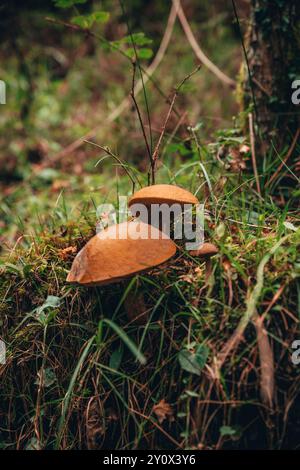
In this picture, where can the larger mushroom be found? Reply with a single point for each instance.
(120, 252)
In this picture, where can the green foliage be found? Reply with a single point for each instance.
(87, 21)
(116, 358)
(193, 359)
(230, 431)
(68, 3)
(132, 46)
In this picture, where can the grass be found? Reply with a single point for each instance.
(80, 373)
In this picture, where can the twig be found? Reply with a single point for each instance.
(111, 154)
(125, 103)
(253, 153)
(198, 51)
(140, 70)
(261, 87)
(139, 116)
(290, 151)
(148, 418)
(156, 150)
(174, 132)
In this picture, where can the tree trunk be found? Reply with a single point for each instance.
(273, 50)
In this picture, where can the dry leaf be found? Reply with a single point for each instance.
(237, 162)
(95, 424)
(163, 411)
(65, 253)
(244, 148)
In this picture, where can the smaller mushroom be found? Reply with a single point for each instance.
(206, 250)
(158, 195)
(163, 193)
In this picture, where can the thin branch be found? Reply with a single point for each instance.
(139, 113)
(290, 151)
(156, 150)
(140, 70)
(111, 154)
(198, 51)
(253, 153)
(152, 421)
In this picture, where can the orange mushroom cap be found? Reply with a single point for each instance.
(162, 193)
(205, 250)
(120, 251)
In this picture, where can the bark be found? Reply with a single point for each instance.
(273, 50)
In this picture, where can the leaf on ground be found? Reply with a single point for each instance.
(46, 376)
(65, 253)
(51, 302)
(194, 360)
(163, 411)
(230, 431)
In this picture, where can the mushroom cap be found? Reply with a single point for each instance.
(120, 251)
(205, 250)
(162, 193)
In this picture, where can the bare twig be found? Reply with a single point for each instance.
(111, 154)
(288, 155)
(198, 51)
(140, 70)
(152, 421)
(253, 153)
(156, 150)
(139, 115)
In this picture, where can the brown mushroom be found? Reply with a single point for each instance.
(118, 253)
(162, 193)
(206, 250)
(159, 194)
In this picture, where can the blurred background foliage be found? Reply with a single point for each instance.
(61, 83)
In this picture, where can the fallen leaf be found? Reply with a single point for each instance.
(244, 148)
(194, 360)
(236, 162)
(65, 253)
(163, 411)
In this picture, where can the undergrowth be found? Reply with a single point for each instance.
(80, 374)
